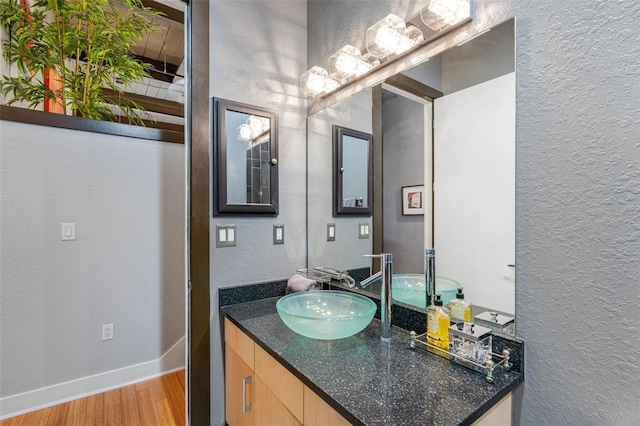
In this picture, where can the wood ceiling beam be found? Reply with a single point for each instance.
(161, 106)
(157, 70)
(169, 12)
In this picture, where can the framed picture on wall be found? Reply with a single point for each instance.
(413, 200)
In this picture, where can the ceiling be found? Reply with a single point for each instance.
(162, 95)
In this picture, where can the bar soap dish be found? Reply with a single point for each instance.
(472, 359)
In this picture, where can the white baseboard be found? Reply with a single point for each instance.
(14, 405)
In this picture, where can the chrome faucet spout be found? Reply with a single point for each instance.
(373, 278)
(385, 274)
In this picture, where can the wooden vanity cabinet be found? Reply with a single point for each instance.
(261, 391)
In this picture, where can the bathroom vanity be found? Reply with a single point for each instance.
(275, 376)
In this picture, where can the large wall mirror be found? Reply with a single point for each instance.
(245, 159)
(447, 124)
(352, 171)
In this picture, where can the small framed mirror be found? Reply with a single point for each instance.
(352, 172)
(245, 159)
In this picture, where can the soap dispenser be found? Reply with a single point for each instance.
(438, 322)
(460, 309)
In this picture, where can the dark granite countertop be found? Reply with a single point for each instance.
(374, 383)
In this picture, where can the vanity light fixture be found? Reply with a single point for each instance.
(387, 39)
(317, 81)
(391, 36)
(440, 13)
(349, 62)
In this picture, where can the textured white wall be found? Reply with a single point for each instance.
(258, 51)
(126, 267)
(577, 190)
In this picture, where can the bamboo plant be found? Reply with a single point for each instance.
(86, 43)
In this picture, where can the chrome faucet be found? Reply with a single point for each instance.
(430, 274)
(385, 274)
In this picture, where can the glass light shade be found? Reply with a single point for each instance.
(258, 125)
(439, 13)
(347, 63)
(316, 81)
(384, 36)
(243, 133)
(371, 60)
(412, 37)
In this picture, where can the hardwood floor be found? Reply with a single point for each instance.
(155, 402)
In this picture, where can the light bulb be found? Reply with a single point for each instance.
(258, 125)
(384, 36)
(439, 13)
(316, 81)
(347, 63)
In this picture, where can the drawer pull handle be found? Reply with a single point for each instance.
(245, 407)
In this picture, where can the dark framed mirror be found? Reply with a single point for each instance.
(352, 172)
(245, 159)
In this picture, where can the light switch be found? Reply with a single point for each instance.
(363, 234)
(225, 236)
(331, 231)
(278, 234)
(68, 231)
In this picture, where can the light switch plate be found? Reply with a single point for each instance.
(278, 234)
(225, 236)
(68, 231)
(363, 231)
(331, 231)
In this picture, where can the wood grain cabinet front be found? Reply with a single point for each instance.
(261, 391)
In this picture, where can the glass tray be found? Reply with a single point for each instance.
(496, 364)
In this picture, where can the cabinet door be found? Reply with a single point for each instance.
(319, 413)
(280, 381)
(269, 410)
(498, 415)
(239, 390)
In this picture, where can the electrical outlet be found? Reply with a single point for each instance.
(107, 331)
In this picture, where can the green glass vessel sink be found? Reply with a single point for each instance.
(411, 289)
(326, 315)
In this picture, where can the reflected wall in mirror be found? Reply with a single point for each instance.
(245, 159)
(352, 174)
(345, 252)
(461, 144)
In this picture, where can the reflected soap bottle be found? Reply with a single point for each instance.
(438, 321)
(460, 309)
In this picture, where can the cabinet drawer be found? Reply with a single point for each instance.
(239, 342)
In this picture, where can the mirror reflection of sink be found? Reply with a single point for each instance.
(410, 289)
(326, 315)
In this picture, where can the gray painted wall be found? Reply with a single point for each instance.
(577, 193)
(403, 165)
(126, 266)
(258, 51)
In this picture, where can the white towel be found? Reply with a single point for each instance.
(299, 283)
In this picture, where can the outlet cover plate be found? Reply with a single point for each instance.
(331, 231)
(278, 234)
